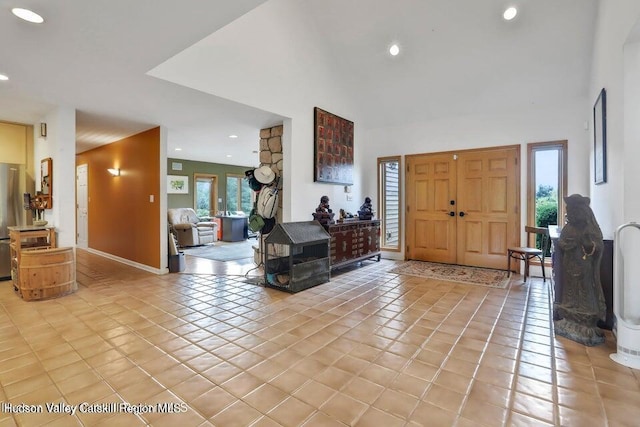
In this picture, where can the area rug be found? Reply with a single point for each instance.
(454, 273)
(223, 251)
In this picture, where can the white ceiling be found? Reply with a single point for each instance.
(458, 57)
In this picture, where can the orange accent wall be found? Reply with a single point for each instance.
(122, 221)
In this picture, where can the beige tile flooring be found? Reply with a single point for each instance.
(369, 348)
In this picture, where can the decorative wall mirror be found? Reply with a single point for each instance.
(46, 181)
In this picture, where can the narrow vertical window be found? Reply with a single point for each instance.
(206, 195)
(389, 212)
(239, 194)
(547, 183)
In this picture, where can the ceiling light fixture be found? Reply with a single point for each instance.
(3, 77)
(27, 15)
(233, 136)
(178, 149)
(510, 13)
(394, 50)
(229, 155)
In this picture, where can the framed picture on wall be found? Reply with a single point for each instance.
(333, 148)
(600, 138)
(177, 184)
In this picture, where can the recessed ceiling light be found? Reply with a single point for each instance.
(27, 15)
(229, 155)
(394, 50)
(510, 13)
(233, 136)
(3, 77)
(178, 149)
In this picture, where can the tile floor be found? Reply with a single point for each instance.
(367, 349)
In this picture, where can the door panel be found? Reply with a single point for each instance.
(488, 197)
(497, 234)
(431, 185)
(483, 185)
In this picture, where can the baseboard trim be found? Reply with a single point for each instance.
(128, 262)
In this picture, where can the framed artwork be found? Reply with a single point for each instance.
(177, 184)
(600, 138)
(333, 148)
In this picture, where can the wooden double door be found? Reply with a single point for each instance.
(463, 207)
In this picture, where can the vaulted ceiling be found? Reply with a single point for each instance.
(457, 57)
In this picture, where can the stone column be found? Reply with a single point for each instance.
(271, 155)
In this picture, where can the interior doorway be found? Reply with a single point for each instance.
(206, 195)
(82, 206)
(463, 207)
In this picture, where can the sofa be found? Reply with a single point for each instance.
(189, 229)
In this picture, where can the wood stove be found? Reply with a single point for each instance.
(297, 256)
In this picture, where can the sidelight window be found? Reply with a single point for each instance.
(389, 172)
(547, 183)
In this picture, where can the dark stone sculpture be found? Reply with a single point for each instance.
(324, 214)
(582, 302)
(366, 210)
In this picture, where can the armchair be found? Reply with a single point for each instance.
(189, 230)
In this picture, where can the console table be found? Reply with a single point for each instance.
(353, 241)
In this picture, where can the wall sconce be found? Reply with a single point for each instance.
(43, 130)
(114, 171)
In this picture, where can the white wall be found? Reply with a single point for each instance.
(629, 239)
(60, 145)
(162, 201)
(631, 209)
(515, 128)
(235, 63)
(616, 18)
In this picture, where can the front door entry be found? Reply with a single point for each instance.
(463, 207)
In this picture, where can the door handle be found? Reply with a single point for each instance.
(461, 213)
(452, 213)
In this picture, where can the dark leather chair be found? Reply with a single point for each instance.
(526, 253)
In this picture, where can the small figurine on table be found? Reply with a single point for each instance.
(323, 207)
(323, 214)
(366, 210)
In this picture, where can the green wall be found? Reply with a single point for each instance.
(189, 168)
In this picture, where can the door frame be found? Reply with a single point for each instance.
(214, 204)
(518, 172)
(82, 242)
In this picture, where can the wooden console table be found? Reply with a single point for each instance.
(353, 241)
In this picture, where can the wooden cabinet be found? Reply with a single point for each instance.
(27, 238)
(39, 269)
(354, 241)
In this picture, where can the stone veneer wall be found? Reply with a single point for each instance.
(271, 155)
